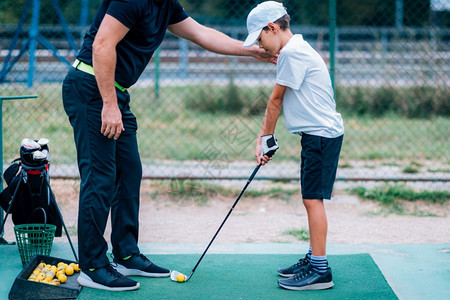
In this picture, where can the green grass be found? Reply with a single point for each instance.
(393, 197)
(198, 192)
(393, 137)
(276, 193)
(301, 235)
(194, 192)
(170, 130)
(412, 168)
(387, 194)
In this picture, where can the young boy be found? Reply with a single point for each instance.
(303, 87)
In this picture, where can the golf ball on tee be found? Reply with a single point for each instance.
(180, 278)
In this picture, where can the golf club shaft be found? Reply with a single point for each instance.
(229, 213)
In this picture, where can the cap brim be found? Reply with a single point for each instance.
(251, 38)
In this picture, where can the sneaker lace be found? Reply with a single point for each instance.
(301, 262)
(302, 273)
(113, 272)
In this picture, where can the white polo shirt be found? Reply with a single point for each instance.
(308, 104)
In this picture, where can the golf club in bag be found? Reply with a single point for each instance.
(28, 189)
(180, 277)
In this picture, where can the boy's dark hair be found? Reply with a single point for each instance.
(283, 22)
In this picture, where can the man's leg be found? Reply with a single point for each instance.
(96, 163)
(125, 205)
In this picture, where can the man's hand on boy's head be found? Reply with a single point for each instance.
(263, 56)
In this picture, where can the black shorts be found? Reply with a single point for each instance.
(319, 163)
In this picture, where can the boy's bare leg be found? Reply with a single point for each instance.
(318, 225)
(317, 275)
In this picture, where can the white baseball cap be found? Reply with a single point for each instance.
(258, 18)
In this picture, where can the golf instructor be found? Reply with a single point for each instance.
(117, 48)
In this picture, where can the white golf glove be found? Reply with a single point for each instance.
(269, 145)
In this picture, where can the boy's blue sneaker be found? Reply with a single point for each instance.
(294, 269)
(106, 278)
(308, 279)
(139, 265)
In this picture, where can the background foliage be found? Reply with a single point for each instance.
(203, 111)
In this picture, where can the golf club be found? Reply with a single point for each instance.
(43, 141)
(30, 144)
(47, 154)
(180, 277)
(39, 156)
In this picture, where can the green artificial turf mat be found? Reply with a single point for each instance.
(252, 276)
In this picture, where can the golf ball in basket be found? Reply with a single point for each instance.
(180, 278)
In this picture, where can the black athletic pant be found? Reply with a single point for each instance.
(110, 172)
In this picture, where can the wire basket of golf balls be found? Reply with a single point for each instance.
(34, 239)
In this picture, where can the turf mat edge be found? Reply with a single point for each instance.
(253, 276)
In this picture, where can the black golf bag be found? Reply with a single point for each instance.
(28, 196)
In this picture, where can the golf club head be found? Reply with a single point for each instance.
(174, 275)
(46, 153)
(39, 156)
(30, 144)
(43, 141)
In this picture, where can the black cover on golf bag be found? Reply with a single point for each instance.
(33, 192)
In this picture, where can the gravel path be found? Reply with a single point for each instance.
(169, 219)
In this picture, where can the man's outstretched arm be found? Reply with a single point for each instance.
(216, 41)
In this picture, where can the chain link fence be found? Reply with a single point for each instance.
(199, 113)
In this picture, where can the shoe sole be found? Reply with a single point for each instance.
(86, 281)
(310, 287)
(134, 272)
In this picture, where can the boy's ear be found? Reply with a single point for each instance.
(273, 27)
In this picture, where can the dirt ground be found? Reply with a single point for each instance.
(170, 216)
